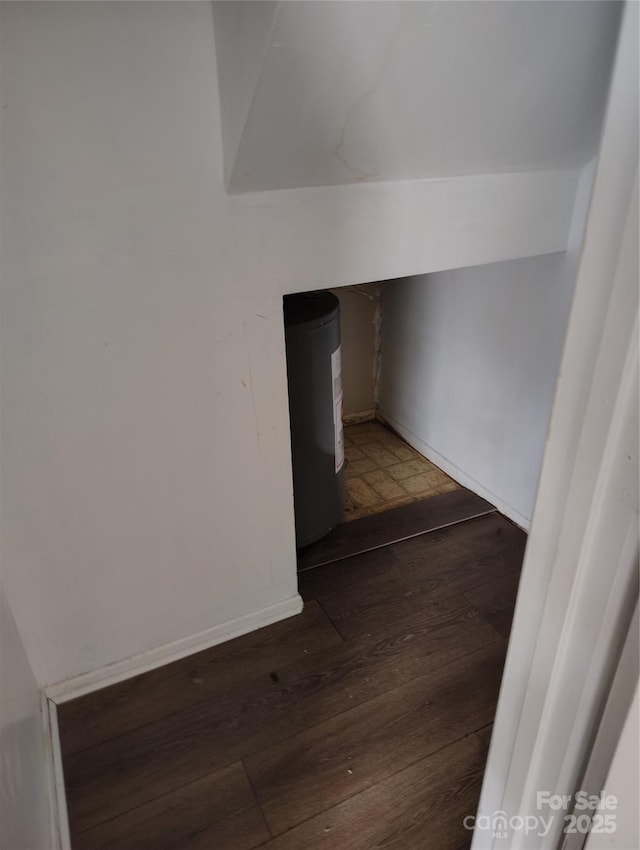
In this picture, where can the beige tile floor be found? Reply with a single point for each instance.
(384, 472)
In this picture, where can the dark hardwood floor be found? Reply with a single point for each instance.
(376, 530)
(361, 723)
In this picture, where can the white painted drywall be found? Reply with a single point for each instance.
(24, 802)
(359, 91)
(469, 362)
(243, 34)
(359, 306)
(147, 491)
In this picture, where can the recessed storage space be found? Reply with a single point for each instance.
(448, 381)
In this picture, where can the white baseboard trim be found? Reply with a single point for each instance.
(357, 418)
(50, 778)
(454, 472)
(60, 835)
(93, 680)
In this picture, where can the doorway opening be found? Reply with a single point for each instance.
(447, 381)
(350, 465)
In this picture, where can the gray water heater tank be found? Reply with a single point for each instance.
(312, 334)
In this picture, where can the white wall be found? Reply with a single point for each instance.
(147, 491)
(243, 34)
(356, 91)
(24, 802)
(469, 363)
(359, 320)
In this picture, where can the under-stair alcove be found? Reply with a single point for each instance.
(447, 383)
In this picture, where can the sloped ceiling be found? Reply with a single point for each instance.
(323, 93)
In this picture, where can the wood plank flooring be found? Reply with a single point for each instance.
(372, 532)
(361, 723)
